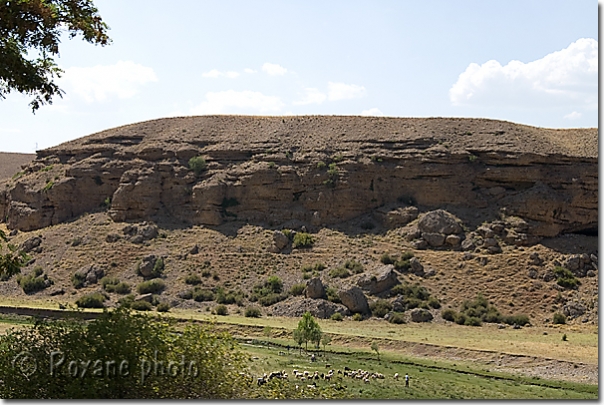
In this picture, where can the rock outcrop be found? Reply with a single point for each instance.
(314, 288)
(271, 170)
(354, 299)
(382, 279)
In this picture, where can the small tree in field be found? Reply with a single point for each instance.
(268, 332)
(325, 340)
(376, 349)
(308, 330)
(299, 339)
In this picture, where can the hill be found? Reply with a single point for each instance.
(461, 207)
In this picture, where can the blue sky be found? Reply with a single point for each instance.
(527, 61)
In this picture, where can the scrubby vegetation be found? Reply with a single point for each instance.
(34, 282)
(114, 285)
(252, 312)
(347, 269)
(380, 308)
(229, 297)
(559, 319)
(152, 286)
(474, 312)
(336, 316)
(141, 306)
(268, 293)
(197, 164)
(303, 240)
(221, 310)
(414, 296)
(193, 279)
(297, 289)
(93, 300)
(565, 278)
(401, 263)
(332, 295)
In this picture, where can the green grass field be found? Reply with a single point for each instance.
(428, 379)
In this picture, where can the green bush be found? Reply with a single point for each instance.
(163, 307)
(434, 302)
(93, 300)
(336, 316)
(113, 285)
(313, 267)
(559, 319)
(380, 308)
(33, 282)
(332, 295)
(306, 276)
(565, 277)
(252, 312)
(152, 286)
(449, 314)
(386, 259)
(460, 318)
(397, 318)
(297, 289)
(130, 337)
(221, 310)
(339, 272)
(472, 321)
(158, 268)
(357, 317)
(126, 302)
(229, 297)
(275, 284)
(200, 295)
(519, 319)
(321, 165)
(141, 306)
(192, 279)
(354, 266)
(303, 240)
(197, 164)
(78, 280)
(105, 281)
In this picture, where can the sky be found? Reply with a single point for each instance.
(533, 62)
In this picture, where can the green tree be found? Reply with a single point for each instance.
(325, 340)
(34, 27)
(268, 332)
(308, 330)
(298, 337)
(11, 261)
(376, 349)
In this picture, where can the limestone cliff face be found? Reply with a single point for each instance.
(315, 170)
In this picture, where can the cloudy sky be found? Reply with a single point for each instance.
(528, 61)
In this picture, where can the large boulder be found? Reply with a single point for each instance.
(439, 221)
(383, 279)
(146, 265)
(573, 309)
(434, 239)
(90, 274)
(354, 299)
(416, 267)
(314, 288)
(280, 241)
(421, 315)
(31, 244)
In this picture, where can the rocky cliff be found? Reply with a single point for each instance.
(313, 171)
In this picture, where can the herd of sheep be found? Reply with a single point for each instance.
(307, 376)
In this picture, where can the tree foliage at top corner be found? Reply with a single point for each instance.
(30, 33)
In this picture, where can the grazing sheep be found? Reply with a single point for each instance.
(396, 376)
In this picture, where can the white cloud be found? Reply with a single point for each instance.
(573, 115)
(232, 101)
(375, 112)
(214, 73)
(312, 96)
(566, 77)
(248, 70)
(343, 91)
(99, 83)
(273, 69)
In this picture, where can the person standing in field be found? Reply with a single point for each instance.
(406, 380)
